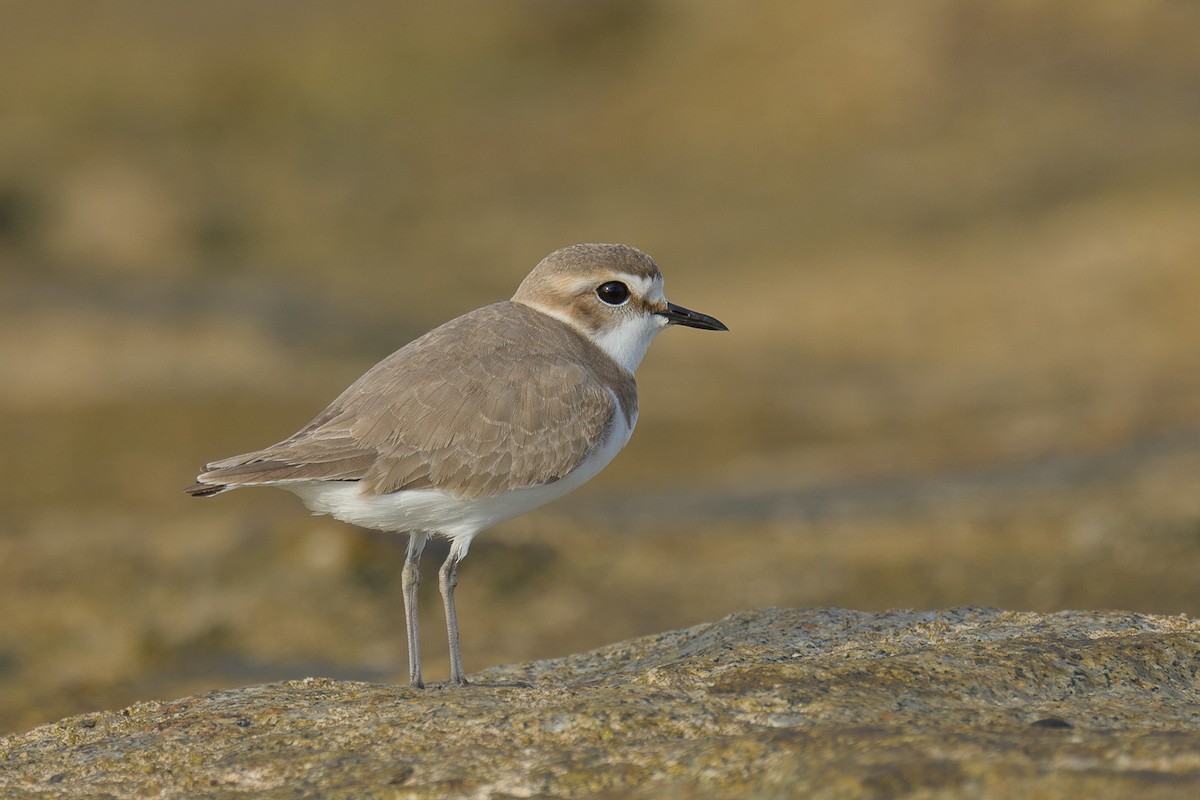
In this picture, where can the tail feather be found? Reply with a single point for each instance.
(199, 489)
(260, 468)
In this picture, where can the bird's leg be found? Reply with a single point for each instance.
(447, 580)
(410, 579)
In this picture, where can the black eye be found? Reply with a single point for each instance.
(614, 292)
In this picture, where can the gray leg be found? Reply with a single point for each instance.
(410, 579)
(447, 580)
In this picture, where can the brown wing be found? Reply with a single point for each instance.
(490, 401)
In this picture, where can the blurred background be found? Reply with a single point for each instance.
(956, 245)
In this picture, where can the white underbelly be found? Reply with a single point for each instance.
(435, 511)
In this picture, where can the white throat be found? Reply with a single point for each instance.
(628, 342)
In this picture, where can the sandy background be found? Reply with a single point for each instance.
(956, 244)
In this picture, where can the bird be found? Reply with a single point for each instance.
(486, 417)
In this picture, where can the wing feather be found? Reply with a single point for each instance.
(490, 401)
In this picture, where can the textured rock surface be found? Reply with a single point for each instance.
(821, 703)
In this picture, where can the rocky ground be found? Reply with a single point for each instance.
(771, 703)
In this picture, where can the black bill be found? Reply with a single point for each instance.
(678, 315)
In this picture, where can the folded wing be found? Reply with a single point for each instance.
(488, 402)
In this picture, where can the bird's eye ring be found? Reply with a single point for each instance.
(613, 293)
